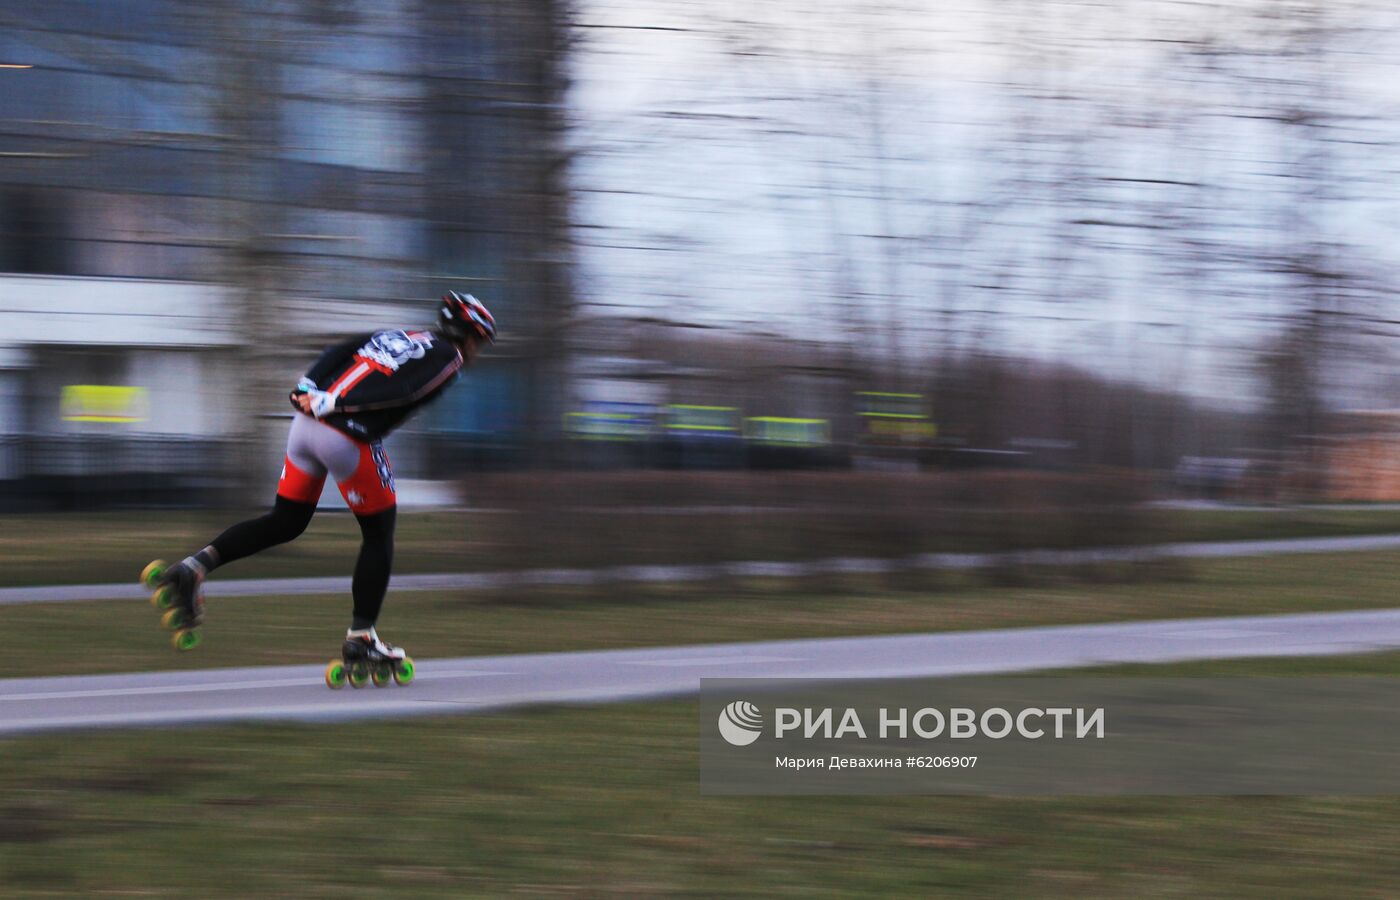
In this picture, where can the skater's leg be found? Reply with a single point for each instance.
(373, 567)
(364, 655)
(367, 483)
(287, 520)
(298, 490)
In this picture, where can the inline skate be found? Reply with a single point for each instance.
(179, 591)
(365, 658)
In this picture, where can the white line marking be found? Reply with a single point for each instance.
(203, 688)
(710, 661)
(1218, 634)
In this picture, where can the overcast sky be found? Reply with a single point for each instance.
(1092, 182)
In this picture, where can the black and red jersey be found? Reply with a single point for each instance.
(380, 378)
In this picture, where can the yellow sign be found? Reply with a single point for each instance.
(690, 417)
(903, 428)
(894, 419)
(605, 426)
(103, 403)
(783, 430)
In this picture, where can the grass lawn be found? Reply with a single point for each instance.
(604, 801)
(83, 548)
(120, 636)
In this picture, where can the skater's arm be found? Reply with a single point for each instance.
(335, 355)
(409, 386)
(306, 396)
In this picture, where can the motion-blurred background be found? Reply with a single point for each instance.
(844, 235)
(855, 281)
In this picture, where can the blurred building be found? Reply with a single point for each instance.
(1361, 457)
(647, 392)
(195, 197)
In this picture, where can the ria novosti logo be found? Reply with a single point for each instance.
(740, 723)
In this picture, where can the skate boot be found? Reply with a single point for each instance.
(179, 590)
(365, 658)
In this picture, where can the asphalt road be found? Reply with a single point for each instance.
(256, 587)
(466, 685)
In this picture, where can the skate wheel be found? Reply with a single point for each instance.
(173, 619)
(335, 675)
(185, 639)
(382, 675)
(150, 576)
(404, 671)
(161, 599)
(359, 675)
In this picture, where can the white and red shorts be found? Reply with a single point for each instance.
(361, 471)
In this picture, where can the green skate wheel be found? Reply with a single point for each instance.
(359, 675)
(382, 675)
(185, 639)
(173, 619)
(150, 576)
(161, 599)
(403, 672)
(335, 675)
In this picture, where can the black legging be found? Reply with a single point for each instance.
(286, 522)
(288, 519)
(373, 567)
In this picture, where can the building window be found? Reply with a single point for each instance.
(32, 232)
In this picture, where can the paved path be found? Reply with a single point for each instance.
(474, 684)
(219, 587)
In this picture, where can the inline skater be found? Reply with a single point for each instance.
(351, 398)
